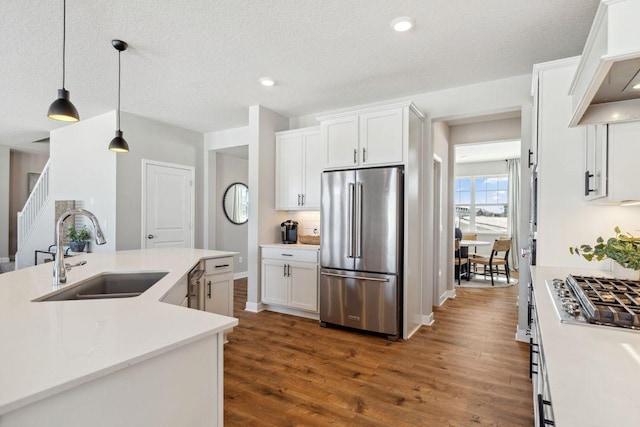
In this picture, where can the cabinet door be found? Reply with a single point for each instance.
(289, 171)
(312, 169)
(595, 177)
(623, 161)
(303, 290)
(340, 142)
(218, 294)
(381, 137)
(274, 282)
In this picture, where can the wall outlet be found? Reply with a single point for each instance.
(240, 259)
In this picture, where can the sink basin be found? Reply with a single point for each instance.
(108, 285)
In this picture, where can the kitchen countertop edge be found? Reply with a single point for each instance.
(579, 358)
(196, 324)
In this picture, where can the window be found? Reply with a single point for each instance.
(481, 204)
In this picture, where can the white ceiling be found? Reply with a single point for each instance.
(196, 63)
(486, 152)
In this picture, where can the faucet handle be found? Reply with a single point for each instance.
(77, 264)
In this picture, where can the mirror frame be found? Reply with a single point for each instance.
(224, 206)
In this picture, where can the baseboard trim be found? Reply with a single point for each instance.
(450, 293)
(291, 311)
(254, 307)
(428, 319)
(240, 275)
(522, 335)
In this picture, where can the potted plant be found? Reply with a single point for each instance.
(623, 249)
(78, 237)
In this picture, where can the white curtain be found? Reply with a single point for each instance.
(514, 211)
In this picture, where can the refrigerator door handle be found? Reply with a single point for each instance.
(344, 276)
(358, 227)
(351, 220)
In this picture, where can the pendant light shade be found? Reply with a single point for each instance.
(119, 144)
(62, 109)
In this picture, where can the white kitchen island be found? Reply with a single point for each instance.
(593, 371)
(129, 361)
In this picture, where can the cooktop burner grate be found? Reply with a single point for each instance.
(613, 302)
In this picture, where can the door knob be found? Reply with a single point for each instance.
(150, 236)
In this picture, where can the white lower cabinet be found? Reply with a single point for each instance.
(218, 286)
(290, 278)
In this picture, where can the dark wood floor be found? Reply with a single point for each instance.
(465, 370)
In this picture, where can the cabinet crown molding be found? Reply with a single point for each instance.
(406, 104)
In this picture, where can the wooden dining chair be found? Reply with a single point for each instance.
(496, 259)
(459, 261)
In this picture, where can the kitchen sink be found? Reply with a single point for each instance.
(108, 285)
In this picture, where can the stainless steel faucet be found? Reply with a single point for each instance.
(59, 271)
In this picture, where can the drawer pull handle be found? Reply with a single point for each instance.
(286, 254)
(223, 265)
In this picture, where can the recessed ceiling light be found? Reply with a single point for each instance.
(637, 87)
(404, 23)
(267, 81)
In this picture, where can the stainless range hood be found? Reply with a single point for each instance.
(606, 87)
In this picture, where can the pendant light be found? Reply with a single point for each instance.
(62, 109)
(118, 144)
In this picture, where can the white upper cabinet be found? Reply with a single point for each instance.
(312, 154)
(340, 139)
(595, 174)
(371, 137)
(622, 165)
(381, 137)
(298, 169)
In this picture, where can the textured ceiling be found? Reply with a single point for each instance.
(196, 63)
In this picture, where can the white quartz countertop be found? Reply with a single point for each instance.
(594, 372)
(292, 246)
(48, 347)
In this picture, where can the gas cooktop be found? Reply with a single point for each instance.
(597, 300)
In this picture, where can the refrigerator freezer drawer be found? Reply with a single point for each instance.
(359, 300)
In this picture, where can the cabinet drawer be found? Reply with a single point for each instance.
(290, 254)
(218, 265)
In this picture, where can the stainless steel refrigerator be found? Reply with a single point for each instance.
(361, 249)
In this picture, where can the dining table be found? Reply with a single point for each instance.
(464, 253)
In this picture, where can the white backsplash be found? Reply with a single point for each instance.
(308, 221)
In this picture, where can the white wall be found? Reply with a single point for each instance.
(444, 272)
(496, 167)
(264, 220)
(5, 161)
(21, 164)
(229, 236)
(564, 218)
(83, 169)
(152, 140)
(214, 141)
(489, 131)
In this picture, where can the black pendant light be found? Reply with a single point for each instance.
(62, 109)
(118, 144)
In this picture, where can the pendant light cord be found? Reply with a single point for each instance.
(64, 36)
(119, 52)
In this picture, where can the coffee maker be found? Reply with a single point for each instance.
(289, 231)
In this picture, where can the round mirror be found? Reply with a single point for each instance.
(236, 203)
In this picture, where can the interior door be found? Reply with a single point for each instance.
(168, 206)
